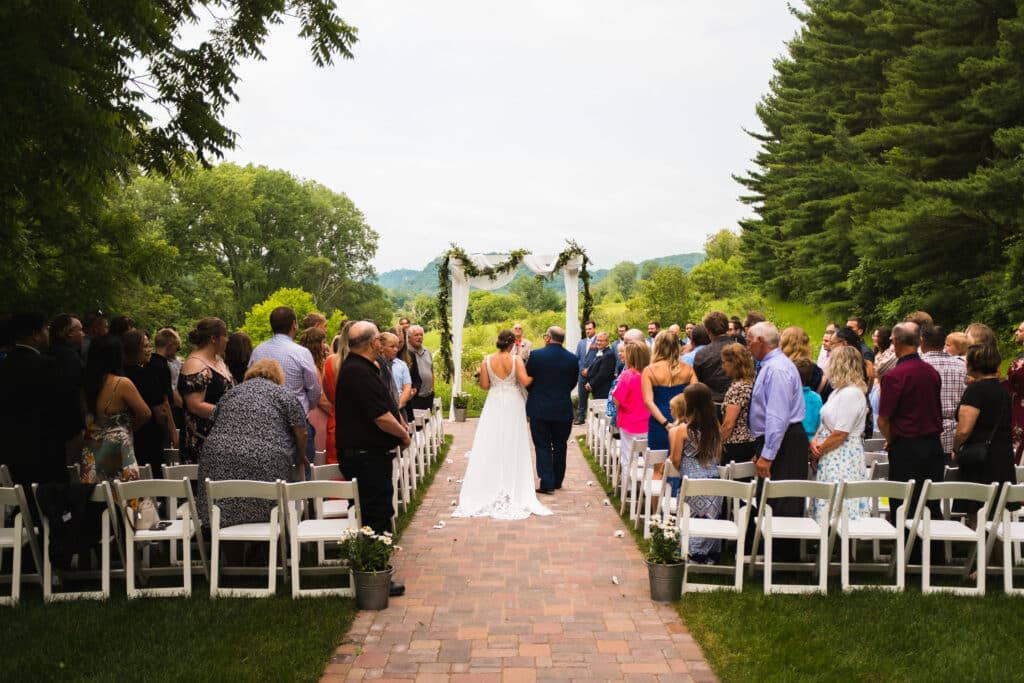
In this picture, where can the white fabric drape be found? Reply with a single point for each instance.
(540, 265)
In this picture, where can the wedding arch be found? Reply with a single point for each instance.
(458, 271)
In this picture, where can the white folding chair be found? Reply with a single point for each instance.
(950, 530)
(319, 530)
(743, 471)
(15, 537)
(172, 456)
(145, 471)
(421, 438)
(872, 528)
(176, 472)
(182, 530)
(651, 488)
(803, 528)
(109, 535)
(874, 445)
(319, 458)
(255, 532)
(872, 457)
(741, 495)
(1020, 473)
(328, 509)
(631, 476)
(1007, 526)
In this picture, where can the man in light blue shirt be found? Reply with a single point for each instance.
(776, 421)
(300, 373)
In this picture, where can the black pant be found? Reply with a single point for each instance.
(424, 402)
(372, 470)
(790, 463)
(739, 452)
(917, 458)
(550, 439)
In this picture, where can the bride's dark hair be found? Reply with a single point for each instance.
(505, 340)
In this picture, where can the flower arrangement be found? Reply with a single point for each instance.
(664, 543)
(366, 551)
(461, 400)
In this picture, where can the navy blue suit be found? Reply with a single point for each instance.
(549, 407)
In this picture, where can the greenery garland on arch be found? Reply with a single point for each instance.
(515, 258)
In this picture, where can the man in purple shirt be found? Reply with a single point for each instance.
(776, 421)
(300, 373)
(910, 419)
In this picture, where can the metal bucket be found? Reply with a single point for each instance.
(372, 589)
(666, 581)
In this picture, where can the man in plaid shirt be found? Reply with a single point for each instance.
(953, 374)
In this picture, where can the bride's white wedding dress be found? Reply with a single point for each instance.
(499, 480)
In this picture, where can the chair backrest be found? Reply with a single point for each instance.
(1020, 474)
(326, 472)
(639, 446)
(901, 490)
(951, 473)
(152, 488)
(242, 488)
(190, 472)
(1009, 493)
(303, 490)
(871, 457)
(319, 457)
(879, 470)
(12, 495)
(5, 476)
(656, 457)
(172, 456)
(874, 444)
(797, 488)
(145, 471)
(959, 490)
(723, 472)
(742, 470)
(742, 490)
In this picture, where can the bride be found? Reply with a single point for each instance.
(499, 480)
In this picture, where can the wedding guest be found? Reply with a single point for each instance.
(980, 333)
(628, 397)
(919, 318)
(331, 367)
(1015, 386)
(316, 320)
(300, 373)
(66, 335)
(422, 370)
(315, 339)
(796, 345)
(956, 345)
(859, 325)
(695, 448)
(237, 354)
(885, 354)
(826, 346)
(953, 376)
(707, 363)
(401, 380)
(600, 368)
(204, 379)
(620, 364)
(653, 328)
(812, 399)
(664, 378)
(167, 366)
(115, 409)
(738, 443)
(698, 340)
(837, 449)
(258, 433)
(120, 325)
(149, 437)
(522, 346)
(984, 415)
(95, 325)
(583, 347)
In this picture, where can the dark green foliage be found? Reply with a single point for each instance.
(889, 177)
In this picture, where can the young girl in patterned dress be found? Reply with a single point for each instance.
(695, 444)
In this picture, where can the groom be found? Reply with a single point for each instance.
(549, 406)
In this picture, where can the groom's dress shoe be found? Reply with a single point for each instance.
(397, 589)
(577, 422)
(547, 492)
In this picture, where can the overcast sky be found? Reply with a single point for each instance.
(516, 125)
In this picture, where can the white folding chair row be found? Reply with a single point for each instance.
(595, 407)
(651, 488)
(632, 475)
(874, 445)
(328, 508)
(740, 496)
(17, 536)
(1008, 528)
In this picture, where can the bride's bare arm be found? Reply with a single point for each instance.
(521, 375)
(485, 380)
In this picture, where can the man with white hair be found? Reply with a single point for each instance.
(423, 383)
(776, 421)
(520, 346)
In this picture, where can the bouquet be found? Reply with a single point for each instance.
(366, 551)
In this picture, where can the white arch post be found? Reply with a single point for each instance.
(461, 284)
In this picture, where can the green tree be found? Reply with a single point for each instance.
(257, 320)
(532, 295)
(81, 81)
(489, 307)
(722, 245)
(717, 279)
(667, 296)
(623, 278)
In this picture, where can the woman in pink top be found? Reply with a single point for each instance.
(631, 416)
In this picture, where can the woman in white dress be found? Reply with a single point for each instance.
(499, 480)
(837, 450)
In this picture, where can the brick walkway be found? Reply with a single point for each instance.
(528, 600)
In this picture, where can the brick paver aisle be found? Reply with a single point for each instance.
(527, 600)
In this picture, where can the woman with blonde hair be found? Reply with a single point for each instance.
(739, 444)
(980, 333)
(662, 380)
(837, 450)
(315, 339)
(330, 384)
(796, 344)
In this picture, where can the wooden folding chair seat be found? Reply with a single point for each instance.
(771, 526)
(872, 528)
(183, 530)
(950, 530)
(319, 530)
(254, 532)
(741, 495)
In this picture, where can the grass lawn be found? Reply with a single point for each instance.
(861, 636)
(178, 639)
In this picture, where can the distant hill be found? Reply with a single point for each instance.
(424, 281)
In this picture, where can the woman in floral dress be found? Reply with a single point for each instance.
(837, 450)
(204, 379)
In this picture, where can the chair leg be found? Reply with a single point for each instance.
(739, 564)
(272, 564)
(104, 557)
(186, 563)
(214, 562)
(844, 562)
(1007, 564)
(981, 561)
(767, 539)
(16, 559)
(823, 558)
(926, 562)
(294, 541)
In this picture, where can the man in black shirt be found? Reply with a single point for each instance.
(707, 362)
(368, 428)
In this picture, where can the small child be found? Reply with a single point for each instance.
(812, 400)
